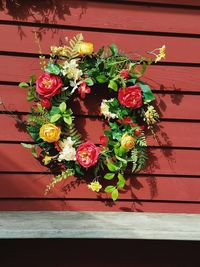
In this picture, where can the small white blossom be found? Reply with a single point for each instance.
(71, 71)
(68, 151)
(104, 108)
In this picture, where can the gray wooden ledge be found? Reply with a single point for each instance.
(115, 225)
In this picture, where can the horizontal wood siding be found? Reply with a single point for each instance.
(171, 181)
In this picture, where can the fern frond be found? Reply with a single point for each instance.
(141, 140)
(142, 157)
(73, 133)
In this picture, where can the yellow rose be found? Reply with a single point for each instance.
(50, 133)
(85, 48)
(127, 141)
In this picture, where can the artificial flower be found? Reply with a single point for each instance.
(126, 120)
(87, 154)
(45, 103)
(71, 70)
(124, 74)
(95, 186)
(48, 85)
(50, 133)
(127, 141)
(46, 159)
(103, 140)
(151, 116)
(162, 53)
(83, 89)
(85, 48)
(104, 109)
(131, 96)
(68, 151)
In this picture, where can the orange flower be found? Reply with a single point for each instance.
(50, 133)
(127, 141)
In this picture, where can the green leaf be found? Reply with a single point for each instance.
(62, 107)
(89, 81)
(109, 176)
(109, 189)
(112, 167)
(23, 85)
(115, 194)
(34, 153)
(54, 110)
(113, 85)
(147, 93)
(114, 50)
(27, 145)
(53, 68)
(55, 118)
(101, 78)
(68, 120)
(40, 108)
(32, 79)
(130, 82)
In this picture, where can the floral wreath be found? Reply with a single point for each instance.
(72, 70)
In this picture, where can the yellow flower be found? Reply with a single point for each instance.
(46, 159)
(162, 53)
(85, 48)
(50, 133)
(127, 141)
(95, 186)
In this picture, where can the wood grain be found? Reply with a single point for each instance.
(14, 157)
(25, 42)
(106, 15)
(175, 106)
(137, 188)
(16, 69)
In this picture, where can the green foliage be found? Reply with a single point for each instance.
(62, 97)
(53, 68)
(109, 176)
(73, 48)
(147, 93)
(138, 158)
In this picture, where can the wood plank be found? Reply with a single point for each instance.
(110, 16)
(16, 69)
(175, 106)
(83, 205)
(89, 225)
(176, 52)
(138, 188)
(163, 161)
(92, 129)
(171, 2)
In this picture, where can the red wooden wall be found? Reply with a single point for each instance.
(170, 183)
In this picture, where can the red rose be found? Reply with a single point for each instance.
(45, 102)
(48, 85)
(124, 74)
(103, 140)
(130, 97)
(87, 154)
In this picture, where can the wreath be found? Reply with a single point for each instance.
(75, 70)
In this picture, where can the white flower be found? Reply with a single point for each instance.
(68, 153)
(71, 71)
(104, 108)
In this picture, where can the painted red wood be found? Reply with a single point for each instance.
(92, 129)
(176, 106)
(106, 15)
(146, 188)
(171, 2)
(14, 157)
(16, 69)
(179, 191)
(175, 50)
(83, 205)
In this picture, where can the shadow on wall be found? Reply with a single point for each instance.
(48, 10)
